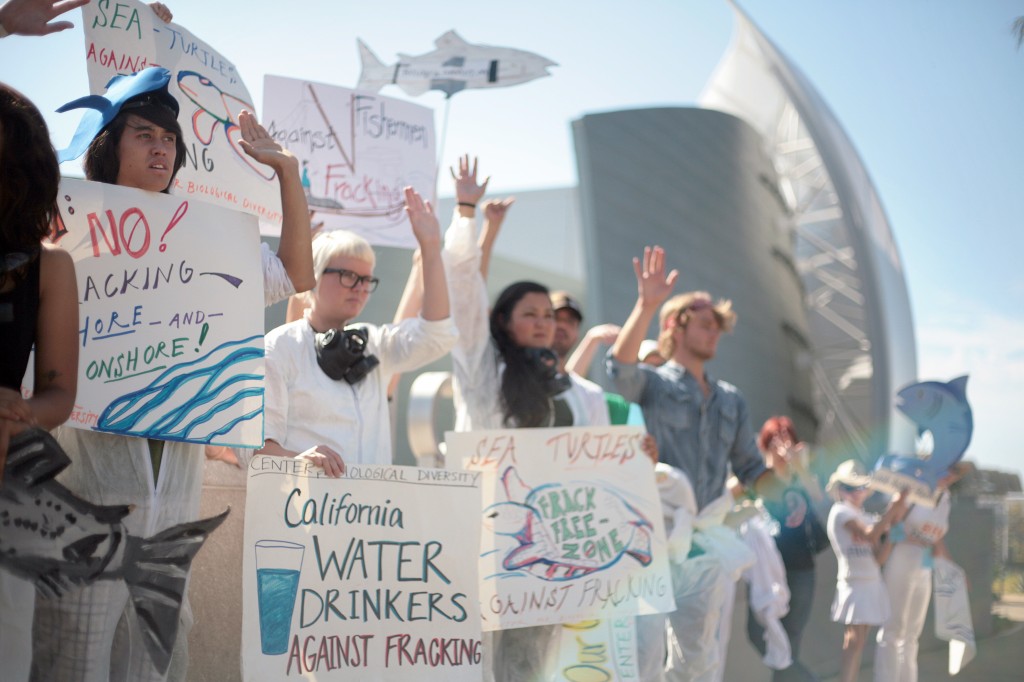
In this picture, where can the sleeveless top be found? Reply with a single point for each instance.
(19, 310)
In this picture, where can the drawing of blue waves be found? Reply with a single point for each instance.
(197, 401)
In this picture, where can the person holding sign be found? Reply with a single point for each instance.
(859, 542)
(38, 307)
(135, 141)
(506, 377)
(327, 380)
(916, 539)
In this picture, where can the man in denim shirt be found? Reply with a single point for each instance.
(702, 427)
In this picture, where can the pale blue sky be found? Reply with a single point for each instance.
(929, 92)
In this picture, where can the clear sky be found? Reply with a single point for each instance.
(930, 93)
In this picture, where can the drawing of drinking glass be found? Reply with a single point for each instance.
(278, 564)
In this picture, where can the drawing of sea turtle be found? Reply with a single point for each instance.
(567, 530)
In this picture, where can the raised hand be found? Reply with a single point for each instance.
(653, 287)
(258, 144)
(162, 11)
(425, 226)
(467, 190)
(35, 17)
(495, 210)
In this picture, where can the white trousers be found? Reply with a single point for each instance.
(909, 583)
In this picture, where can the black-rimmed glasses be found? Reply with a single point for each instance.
(353, 279)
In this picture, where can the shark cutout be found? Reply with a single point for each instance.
(454, 66)
(942, 410)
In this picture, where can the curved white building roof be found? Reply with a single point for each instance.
(856, 296)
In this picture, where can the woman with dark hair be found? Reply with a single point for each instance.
(136, 142)
(800, 536)
(38, 308)
(506, 377)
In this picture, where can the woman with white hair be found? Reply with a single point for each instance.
(326, 379)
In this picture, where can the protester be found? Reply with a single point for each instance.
(916, 538)
(327, 402)
(861, 600)
(506, 377)
(648, 353)
(799, 538)
(701, 426)
(140, 146)
(38, 308)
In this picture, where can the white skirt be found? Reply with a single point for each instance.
(861, 602)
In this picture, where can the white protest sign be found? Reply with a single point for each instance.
(126, 36)
(598, 650)
(573, 528)
(170, 312)
(366, 577)
(357, 150)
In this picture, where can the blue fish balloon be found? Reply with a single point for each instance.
(942, 410)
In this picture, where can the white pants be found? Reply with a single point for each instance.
(909, 583)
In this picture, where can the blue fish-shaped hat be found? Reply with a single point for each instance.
(148, 86)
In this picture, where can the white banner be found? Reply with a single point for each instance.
(357, 151)
(365, 577)
(170, 315)
(125, 37)
(573, 528)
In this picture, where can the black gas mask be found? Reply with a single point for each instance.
(545, 363)
(341, 354)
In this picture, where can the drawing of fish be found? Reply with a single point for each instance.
(217, 109)
(455, 65)
(566, 531)
(60, 541)
(940, 408)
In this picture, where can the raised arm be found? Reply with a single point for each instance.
(494, 216)
(35, 17)
(581, 358)
(295, 249)
(653, 287)
(428, 234)
(468, 191)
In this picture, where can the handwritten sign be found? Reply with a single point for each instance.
(124, 37)
(598, 650)
(369, 577)
(572, 525)
(357, 150)
(170, 313)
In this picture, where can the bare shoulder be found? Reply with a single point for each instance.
(55, 259)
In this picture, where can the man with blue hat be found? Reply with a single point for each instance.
(131, 137)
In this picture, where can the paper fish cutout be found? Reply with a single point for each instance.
(567, 531)
(102, 109)
(941, 409)
(455, 65)
(59, 541)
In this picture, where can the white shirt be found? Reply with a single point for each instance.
(303, 407)
(856, 557)
(927, 525)
(477, 368)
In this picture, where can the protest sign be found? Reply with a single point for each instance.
(126, 36)
(598, 650)
(369, 576)
(170, 315)
(358, 150)
(572, 523)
